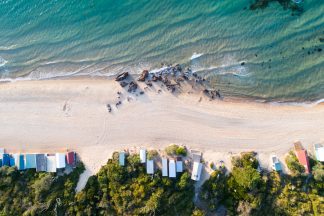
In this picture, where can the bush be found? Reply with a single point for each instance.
(176, 150)
(293, 164)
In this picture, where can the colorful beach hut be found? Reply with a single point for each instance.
(301, 154)
(276, 166)
(41, 162)
(70, 158)
(30, 161)
(172, 169)
(121, 158)
(5, 160)
(164, 167)
(60, 160)
(19, 161)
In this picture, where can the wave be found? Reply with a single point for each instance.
(307, 104)
(196, 55)
(2, 61)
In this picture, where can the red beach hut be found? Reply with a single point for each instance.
(70, 158)
(301, 154)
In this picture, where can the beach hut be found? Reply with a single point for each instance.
(70, 158)
(179, 164)
(164, 167)
(275, 163)
(319, 152)
(51, 163)
(30, 161)
(12, 161)
(19, 161)
(150, 167)
(41, 162)
(143, 155)
(60, 160)
(172, 169)
(196, 171)
(122, 158)
(301, 154)
(5, 160)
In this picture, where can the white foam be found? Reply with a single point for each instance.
(303, 104)
(2, 61)
(196, 55)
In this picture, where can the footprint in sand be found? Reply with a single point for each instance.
(67, 109)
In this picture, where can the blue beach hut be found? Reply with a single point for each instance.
(11, 161)
(6, 160)
(30, 161)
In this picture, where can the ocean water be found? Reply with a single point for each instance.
(261, 54)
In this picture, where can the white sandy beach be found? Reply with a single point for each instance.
(52, 115)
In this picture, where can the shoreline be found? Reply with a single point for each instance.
(52, 115)
(229, 98)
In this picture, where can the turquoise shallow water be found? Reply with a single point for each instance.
(42, 39)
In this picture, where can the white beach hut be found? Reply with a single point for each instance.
(179, 164)
(164, 167)
(60, 160)
(150, 167)
(196, 171)
(319, 152)
(50, 163)
(143, 155)
(172, 169)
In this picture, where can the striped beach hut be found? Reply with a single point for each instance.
(19, 161)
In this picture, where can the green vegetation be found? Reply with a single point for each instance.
(246, 191)
(128, 190)
(176, 150)
(293, 165)
(32, 193)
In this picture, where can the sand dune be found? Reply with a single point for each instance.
(71, 114)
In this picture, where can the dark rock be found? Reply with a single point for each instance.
(132, 87)
(242, 63)
(141, 92)
(143, 76)
(123, 83)
(109, 108)
(308, 52)
(319, 49)
(148, 83)
(122, 76)
(321, 39)
(118, 103)
(156, 78)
